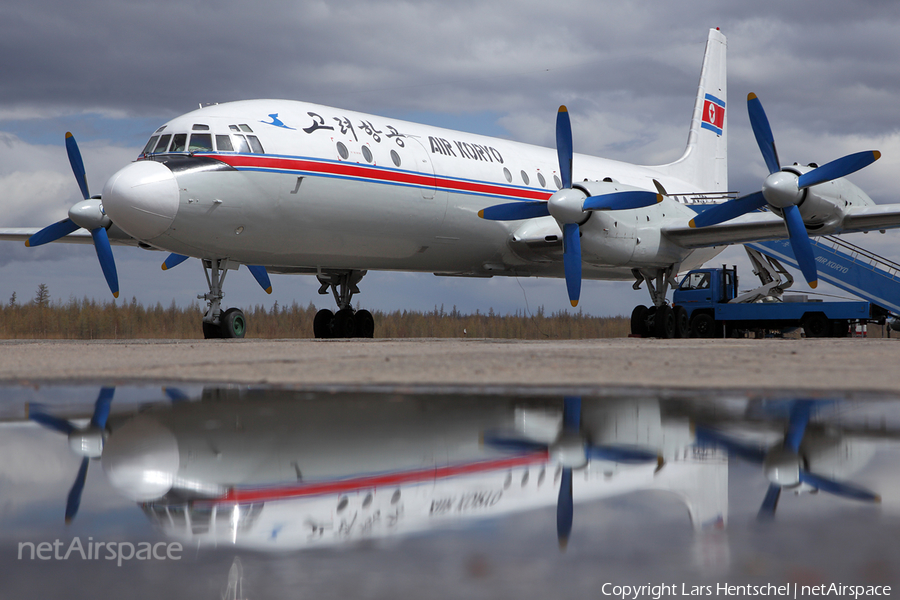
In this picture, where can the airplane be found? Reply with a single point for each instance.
(283, 470)
(291, 187)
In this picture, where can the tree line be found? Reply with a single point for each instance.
(86, 319)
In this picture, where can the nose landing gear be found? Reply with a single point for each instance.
(346, 323)
(217, 323)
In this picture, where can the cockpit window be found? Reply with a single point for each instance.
(245, 128)
(242, 146)
(201, 142)
(163, 144)
(255, 146)
(150, 145)
(179, 142)
(223, 143)
(198, 127)
(695, 281)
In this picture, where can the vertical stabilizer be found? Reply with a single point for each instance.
(705, 160)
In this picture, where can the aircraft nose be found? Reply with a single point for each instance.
(141, 459)
(142, 199)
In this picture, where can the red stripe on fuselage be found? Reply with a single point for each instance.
(239, 495)
(375, 174)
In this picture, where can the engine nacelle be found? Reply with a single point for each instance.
(824, 206)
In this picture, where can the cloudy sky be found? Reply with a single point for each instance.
(111, 72)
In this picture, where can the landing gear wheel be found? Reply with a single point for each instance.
(365, 324)
(211, 331)
(682, 323)
(639, 321)
(816, 325)
(233, 324)
(664, 322)
(322, 324)
(703, 326)
(344, 324)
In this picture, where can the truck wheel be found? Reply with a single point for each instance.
(816, 325)
(664, 322)
(682, 322)
(703, 326)
(639, 321)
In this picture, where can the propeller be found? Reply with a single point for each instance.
(259, 273)
(86, 442)
(568, 206)
(784, 190)
(571, 449)
(784, 464)
(88, 214)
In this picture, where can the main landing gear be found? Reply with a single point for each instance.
(659, 320)
(216, 322)
(346, 322)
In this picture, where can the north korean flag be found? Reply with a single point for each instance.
(713, 117)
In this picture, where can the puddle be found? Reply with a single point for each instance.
(249, 492)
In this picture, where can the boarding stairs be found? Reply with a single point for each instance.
(847, 266)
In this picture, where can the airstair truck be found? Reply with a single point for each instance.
(707, 304)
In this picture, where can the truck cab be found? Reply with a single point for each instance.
(705, 287)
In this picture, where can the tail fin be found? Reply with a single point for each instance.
(705, 160)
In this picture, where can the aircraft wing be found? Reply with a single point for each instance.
(763, 227)
(82, 236)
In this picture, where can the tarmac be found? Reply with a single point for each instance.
(815, 365)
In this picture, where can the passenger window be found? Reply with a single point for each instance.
(150, 145)
(557, 182)
(242, 146)
(525, 177)
(255, 146)
(541, 180)
(179, 141)
(223, 143)
(200, 142)
(395, 158)
(163, 144)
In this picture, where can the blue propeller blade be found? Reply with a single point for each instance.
(763, 132)
(51, 233)
(838, 488)
(770, 502)
(712, 437)
(173, 260)
(262, 277)
(729, 210)
(74, 499)
(572, 413)
(572, 261)
(107, 263)
(801, 245)
(564, 508)
(514, 211)
(49, 421)
(514, 444)
(102, 407)
(622, 200)
(623, 454)
(799, 419)
(77, 165)
(838, 168)
(564, 146)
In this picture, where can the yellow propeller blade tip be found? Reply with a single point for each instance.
(574, 302)
(269, 290)
(659, 198)
(164, 267)
(813, 284)
(563, 108)
(751, 96)
(481, 213)
(876, 154)
(27, 244)
(115, 294)
(692, 224)
(69, 134)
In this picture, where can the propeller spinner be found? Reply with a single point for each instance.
(784, 190)
(570, 206)
(88, 214)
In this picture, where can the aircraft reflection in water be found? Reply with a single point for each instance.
(281, 470)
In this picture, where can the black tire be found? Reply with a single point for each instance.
(682, 323)
(639, 321)
(365, 324)
(322, 324)
(664, 322)
(233, 324)
(703, 326)
(344, 324)
(211, 331)
(816, 325)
